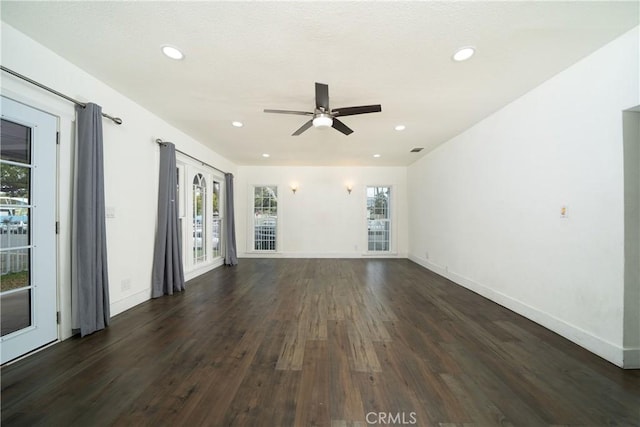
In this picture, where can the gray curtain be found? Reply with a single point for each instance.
(168, 275)
(230, 257)
(90, 301)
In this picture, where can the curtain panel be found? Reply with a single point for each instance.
(168, 273)
(90, 282)
(230, 252)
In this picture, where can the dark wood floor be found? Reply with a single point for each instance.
(319, 342)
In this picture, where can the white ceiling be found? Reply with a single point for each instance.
(242, 57)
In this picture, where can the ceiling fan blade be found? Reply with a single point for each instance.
(322, 97)
(339, 126)
(303, 128)
(351, 111)
(301, 113)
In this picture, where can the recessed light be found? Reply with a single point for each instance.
(464, 53)
(237, 124)
(172, 52)
(400, 127)
(265, 155)
(376, 155)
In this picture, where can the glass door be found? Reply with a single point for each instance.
(27, 229)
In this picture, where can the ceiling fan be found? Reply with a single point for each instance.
(324, 117)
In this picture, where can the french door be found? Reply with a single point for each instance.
(201, 202)
(27, 229)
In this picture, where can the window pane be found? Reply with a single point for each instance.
(16, 142)
(216, 226)
(265, 209)
(379, 219)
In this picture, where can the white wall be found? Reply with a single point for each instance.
(322, 219)
(131, 166)
(485, 206)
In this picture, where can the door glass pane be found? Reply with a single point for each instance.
(14, 184)
(14, 226)
(199, 226)
(16, 311)
(216, 226)
(15, 241)
(15, 145)
(14, 268)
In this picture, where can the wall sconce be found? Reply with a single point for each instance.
(349, 188)
(294, 187)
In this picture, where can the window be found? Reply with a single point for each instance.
(198, 217)
(180, 201)
(265, 214)
(216, 221)
(378, 219)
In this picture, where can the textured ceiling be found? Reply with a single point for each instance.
(242, 57)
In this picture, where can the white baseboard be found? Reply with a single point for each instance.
(321, 255)
(594, 344)
(188, 275)
(130, 301)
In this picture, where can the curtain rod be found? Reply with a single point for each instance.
(161, 142)
(116, 120)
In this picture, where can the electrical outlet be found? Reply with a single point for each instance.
(426, 255)
(125, 285)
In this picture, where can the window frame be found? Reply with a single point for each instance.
(252, 220)
(390, 220)
(220, 217)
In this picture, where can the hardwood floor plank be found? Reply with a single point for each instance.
(291, 355)
(363, 354)
(346, 403)
(313, 391)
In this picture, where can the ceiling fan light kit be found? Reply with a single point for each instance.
(324, 117)
(322, 120)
